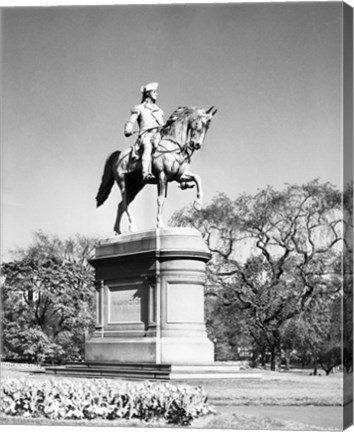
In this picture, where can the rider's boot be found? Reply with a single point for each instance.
(147, 174)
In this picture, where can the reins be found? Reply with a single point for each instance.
(146, 130)
(180, 148)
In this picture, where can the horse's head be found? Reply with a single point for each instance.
(198, 126)
(188, 126)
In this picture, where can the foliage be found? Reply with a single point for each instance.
(104, 399)
(330, 357)
(48, 300)
(313, 333)
(275, 256)
(348, 278)
(227, 328)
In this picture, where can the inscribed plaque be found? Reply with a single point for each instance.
(125, 304)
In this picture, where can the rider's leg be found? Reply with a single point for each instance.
(146, 158)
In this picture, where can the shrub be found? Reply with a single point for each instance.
(103, 399)
(330, 357)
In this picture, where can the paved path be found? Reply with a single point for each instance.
(320, 416)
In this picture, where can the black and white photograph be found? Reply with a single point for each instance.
(177, 215)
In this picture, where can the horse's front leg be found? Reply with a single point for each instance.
(161, 195)
(188, 177)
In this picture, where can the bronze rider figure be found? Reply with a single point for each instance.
(149, 118)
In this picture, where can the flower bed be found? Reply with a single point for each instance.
(103, 399)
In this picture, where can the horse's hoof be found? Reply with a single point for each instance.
(186, 185)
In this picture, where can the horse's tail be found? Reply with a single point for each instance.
(107, 179)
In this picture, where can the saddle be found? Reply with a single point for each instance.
(137, 148)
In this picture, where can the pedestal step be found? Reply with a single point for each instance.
(146, 371)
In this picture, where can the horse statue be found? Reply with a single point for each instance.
(175, 143)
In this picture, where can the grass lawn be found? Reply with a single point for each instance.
(278, 388)
(283, 389)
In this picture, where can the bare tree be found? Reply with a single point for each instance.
(275, 254)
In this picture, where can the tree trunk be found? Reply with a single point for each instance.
(315, 367)
(263, 358)
(287, 362)
(272, 359)
(327, 368)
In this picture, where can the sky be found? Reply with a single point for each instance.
(70, 76)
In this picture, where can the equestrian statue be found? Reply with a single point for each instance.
(161, 154)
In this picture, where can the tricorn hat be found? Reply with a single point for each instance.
(149, 87)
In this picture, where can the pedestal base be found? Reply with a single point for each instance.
(162, 372)
(150, 299)
(152, 350)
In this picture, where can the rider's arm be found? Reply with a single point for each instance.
(128, 127)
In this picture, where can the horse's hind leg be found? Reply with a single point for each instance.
(120, 211)
(123, 206)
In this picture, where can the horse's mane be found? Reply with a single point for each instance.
(177, 115)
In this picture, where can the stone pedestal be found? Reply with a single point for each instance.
(150, 299)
